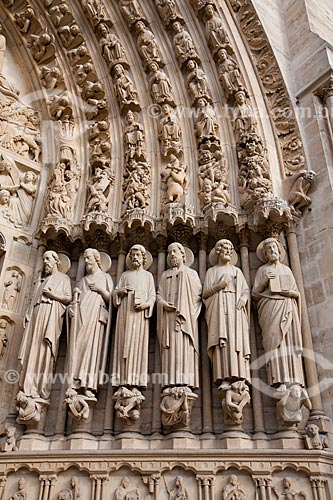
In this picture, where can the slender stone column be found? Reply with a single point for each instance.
(98, 486)
(109, 413)
(318, 487)
(153, 483)
(156, 416)
(325, 92)
(258, 414)
(263, 487)
(207, 404)
(2, 485)
(309, 362)
(46, 487)
(205, 487)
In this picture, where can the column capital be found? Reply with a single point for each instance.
(326, 89)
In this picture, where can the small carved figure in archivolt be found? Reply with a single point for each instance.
(170, 132)
(229, 73)
(175, 178)
(160, 85)
(244, 119)
(205, 120)
(147, 45)
(125, 90)
(42, 47)
(168, 11)
(131, 10)
(184, 45)
(197, 82)
(50, 77)
(100, 190)
(216, 33)
(135, 145)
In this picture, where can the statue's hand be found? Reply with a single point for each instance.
(141, 307)
(241, 302)
(290, 294)
(48, 293)
(270, 275)
(124, 291)
(95, 288)
(168, 306)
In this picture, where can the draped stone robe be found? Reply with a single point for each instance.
(39, 348)
(91, 336)
(228, 323)
(178, 330)
(130, 355)
(279, 319)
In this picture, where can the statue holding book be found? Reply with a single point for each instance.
(278, 300)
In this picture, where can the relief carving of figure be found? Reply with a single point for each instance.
(170, 132)
(147, 45)
(216, 33)
(128, 404)
(112, 49)
(12, 287)
(131, 10)
(21, 493)
(10, 441)
(179, 304)
(244, 119)
(125, 90)
(314, 440)
(134, 297)
(227, 297)
(78, 404)
(205, 120)
(179, 492)
(137, 178)
(70, 35)
(235, 397)
(134, 139)
(229, 73)
(197, 82)
(184, 45)
(25, 19)
(160, 85)
(59, 14)
(100, 190)
(168, 11)
(42, 47)
(22, 197)
(90, 325)
(232, 490)
(289, 406)
(43, 325)
(3, 336)
(288, 493)
(278, 302)
(176, 180)
(50, 77)
(124, 493)
(64, 184)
